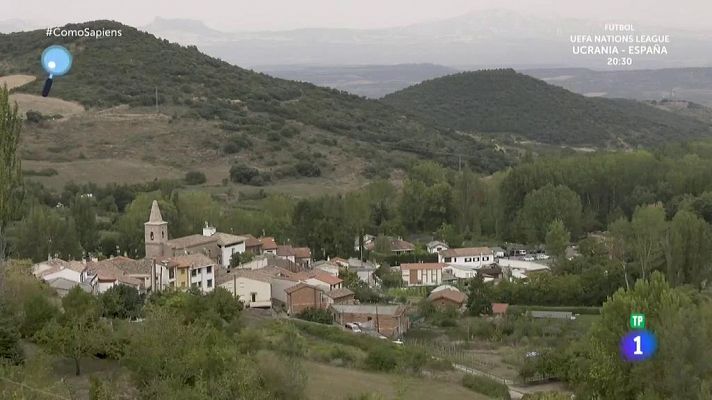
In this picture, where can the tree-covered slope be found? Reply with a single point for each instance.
(127, 70)
(504, 101)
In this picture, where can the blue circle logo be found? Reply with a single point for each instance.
(56, 60)
(638, 345)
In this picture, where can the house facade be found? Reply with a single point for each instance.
(252, 288)
(422, 274)
(475, 257)
(191, 271)
(304, 296)
(436, 246)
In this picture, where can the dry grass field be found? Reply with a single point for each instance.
(334, 383)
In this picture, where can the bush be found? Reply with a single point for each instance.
(42, 172)
(195, 178)
(382, 358)
(247, 175)
(308, 169)
(317, 315)
(487, 386)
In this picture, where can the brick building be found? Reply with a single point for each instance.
(388, 320)
(303, 296)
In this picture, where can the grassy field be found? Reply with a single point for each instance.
(333, 383)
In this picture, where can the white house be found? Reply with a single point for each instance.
(422, 274)
(436, 246)
(461, 271)
(251, 287)
(498, 252)
(475, 257)
(327, 266)
(54, 268)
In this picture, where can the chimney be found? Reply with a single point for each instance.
(209, 230)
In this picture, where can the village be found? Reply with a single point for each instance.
(287, 280)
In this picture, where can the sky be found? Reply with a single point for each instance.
(239, 15)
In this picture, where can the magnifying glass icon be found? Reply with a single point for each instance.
(56, 61)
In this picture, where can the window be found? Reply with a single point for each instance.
(151, 235)
(468, 260)
(253, 297)
(485, 258)
(194, 272)
(171, 273)
(210, 283)
(448, 259)
(209, 269)
(182, 272)
(163, 235)
(477, 259)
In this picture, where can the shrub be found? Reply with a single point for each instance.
(318, 315)
(195, 178)
(487, 386)
(247, 175)
(382, 358)
(306, 168)
(42, 172)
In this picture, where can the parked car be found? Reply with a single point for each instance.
(353, 328)
(542, 256)
(528, 258)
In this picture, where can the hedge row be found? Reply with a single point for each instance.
(487, 386)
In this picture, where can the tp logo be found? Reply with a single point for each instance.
(639, 344)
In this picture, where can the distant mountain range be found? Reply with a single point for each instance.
(506, 103)
(480, 39)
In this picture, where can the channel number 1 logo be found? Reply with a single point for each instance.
(639, 344)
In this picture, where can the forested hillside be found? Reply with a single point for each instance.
(246, 105)
(504, 101)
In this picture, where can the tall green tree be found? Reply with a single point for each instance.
(10, 167)
(682, 368)
(84, 213)
(78, 332)
(479, 297)
(648, 231)
(688, 250)
(557, 238)
(47, 232)
(546, 204)
(468, 196)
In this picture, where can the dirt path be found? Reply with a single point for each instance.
(15, 81)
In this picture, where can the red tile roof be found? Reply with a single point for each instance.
(499, 308)
(302, 252)
(268, 243)
(449, 294)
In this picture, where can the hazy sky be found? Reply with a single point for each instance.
(286, 14)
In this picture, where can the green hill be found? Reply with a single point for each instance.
(226, 113)
(504, 101)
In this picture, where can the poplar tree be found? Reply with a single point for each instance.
(10, 170)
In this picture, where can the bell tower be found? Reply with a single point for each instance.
(156, 233)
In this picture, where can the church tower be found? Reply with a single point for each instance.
(156, 233)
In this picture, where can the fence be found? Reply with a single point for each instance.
(464, 361)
